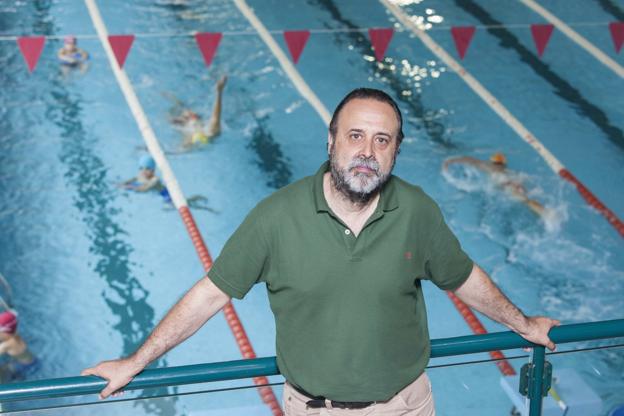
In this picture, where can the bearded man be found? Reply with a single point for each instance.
(343, 254)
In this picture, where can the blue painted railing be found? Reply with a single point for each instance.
(201, 373)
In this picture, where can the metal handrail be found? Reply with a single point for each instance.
(230, 370)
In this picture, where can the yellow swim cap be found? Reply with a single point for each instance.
(199, 137)
(498, 158)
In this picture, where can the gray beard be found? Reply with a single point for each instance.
(358, 188)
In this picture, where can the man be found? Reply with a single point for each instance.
(342, 254)
(497, 170)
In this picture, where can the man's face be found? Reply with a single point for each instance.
(364, 150)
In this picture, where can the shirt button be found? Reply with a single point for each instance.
(347, 231)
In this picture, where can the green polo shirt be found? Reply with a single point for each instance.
(349, 311)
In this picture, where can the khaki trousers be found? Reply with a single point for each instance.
(414, 400)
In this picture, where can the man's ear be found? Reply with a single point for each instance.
(330, 142)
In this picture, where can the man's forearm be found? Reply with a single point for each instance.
(481, 293)
(198, 305)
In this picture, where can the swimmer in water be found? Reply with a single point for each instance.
(21, 361)
(497, 170)
(195, 131)
(71, 56)
(146, 180)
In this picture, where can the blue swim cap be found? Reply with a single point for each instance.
(146, 162)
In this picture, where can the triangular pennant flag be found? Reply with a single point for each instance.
(462, 35)
(208, 44)
(380, 38)
(617, 34)
(31, 48)
(541, 35)
(121, 46)
(296, 41)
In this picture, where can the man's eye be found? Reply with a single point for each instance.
(356, 136)
(382, 140)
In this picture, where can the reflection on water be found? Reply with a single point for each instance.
(271, 159)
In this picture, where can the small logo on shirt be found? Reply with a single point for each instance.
(408, 255)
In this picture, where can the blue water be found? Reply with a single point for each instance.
(94, 268)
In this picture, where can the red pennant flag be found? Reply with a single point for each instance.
(380, 38)
(617, 34)
(31, 48)
(541, 36)
(121, 46)
(296, 41)
(208, 44)
(462, 35)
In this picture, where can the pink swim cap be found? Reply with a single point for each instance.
(69, 39)
(8, 321)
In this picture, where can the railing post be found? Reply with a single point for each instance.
(536, 381)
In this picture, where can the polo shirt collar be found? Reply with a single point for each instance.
(388, 200)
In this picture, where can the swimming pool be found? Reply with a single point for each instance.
(94, 268)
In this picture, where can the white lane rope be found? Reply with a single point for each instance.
(137, 110)
(284, 61)
(575, 37)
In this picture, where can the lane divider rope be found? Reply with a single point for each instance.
(284, 61)
(153, 146)
(505, 115)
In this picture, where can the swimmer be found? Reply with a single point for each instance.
(71, 56)
(195, 131)
(496, 168)
(21, 360)
(146, 180)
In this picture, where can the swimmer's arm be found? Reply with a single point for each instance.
(149, 185)
(481, 293)
(129, 184)
(462, 159)
(4, 347)
(195, 308)
(65, 57)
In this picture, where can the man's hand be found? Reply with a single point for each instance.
(117, 372)
(536, 331)
(480, 293)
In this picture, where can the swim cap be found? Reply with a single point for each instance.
(199, 137)
(146, 162)
(8, 321)
(69, 39)
(498, 158)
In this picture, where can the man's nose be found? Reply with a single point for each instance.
(367, 149)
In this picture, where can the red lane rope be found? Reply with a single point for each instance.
(477, 327)
(594, 201)
(231, 317)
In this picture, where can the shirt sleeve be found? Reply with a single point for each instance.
(447, 265)
(244, 259)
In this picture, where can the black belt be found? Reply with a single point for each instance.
(317, 402)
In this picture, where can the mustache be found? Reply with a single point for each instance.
(365, 162)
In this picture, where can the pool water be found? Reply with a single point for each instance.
(93, 267)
